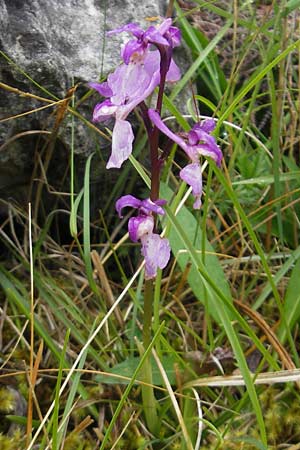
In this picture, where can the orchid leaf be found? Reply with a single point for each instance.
(212, 263)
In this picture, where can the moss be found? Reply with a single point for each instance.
(6, 400)
(14, 442)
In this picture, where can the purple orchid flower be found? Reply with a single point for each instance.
(156, 250)
(196, 142)
(163, 35)
(132, 82)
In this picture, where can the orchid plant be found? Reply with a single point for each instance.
(147, 64)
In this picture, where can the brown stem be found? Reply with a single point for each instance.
(165, 58)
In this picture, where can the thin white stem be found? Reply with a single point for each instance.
(200, 421)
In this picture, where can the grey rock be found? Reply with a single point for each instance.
(54, 44)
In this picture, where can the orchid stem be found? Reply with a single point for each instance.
(154, 135)
(149, 401)
(148, 301)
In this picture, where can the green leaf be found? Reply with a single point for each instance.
(127, 368)
(290, 7)
(291, 307)
(212, 264)
(269, 179)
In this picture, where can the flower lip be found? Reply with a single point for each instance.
(192, 175)
(139, 226)
(103, 111)
(156, 251)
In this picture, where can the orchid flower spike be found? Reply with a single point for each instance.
(156, 250)
(132, 82)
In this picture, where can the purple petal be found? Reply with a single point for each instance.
(156, 252)
(174, 36)
(155, 117)
(131, 84)
(192, 175)
(149, 206)
(164, 27)
(132, 28)
(127, 200)
(140, 226)
(122, 139)
(102, 88)
(152, 62)
(193, 137)
(207, 125)
(173, 73)
(130, 48)
(154, 36)
(144, 88)
(208, 147)
(104, 111)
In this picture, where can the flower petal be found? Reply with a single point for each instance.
(174, 36)
(132, 28)
(102, 88)
(173, 73)
(192, 175)
(122, 139)
(208, 147)
(156, 251)
(131, 84)
(164, 27)
(207, 125)
(154, 36)
(125, 201)
(104, 111)
(155, 117)
(144, 88)
(148, 206)
(130, 48)
(140, 226)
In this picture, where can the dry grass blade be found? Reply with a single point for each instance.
(32, 366)
(37, 363)
(270, 335)
(123, 430)
(282, 376)
(84, 424)
(105, 285)
(186, 437)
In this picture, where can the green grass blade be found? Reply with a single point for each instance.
(202, 58)
(55, 441)
(291, 306)
(86, 226)
(130, 385)
(287, 266)
(259, 75)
